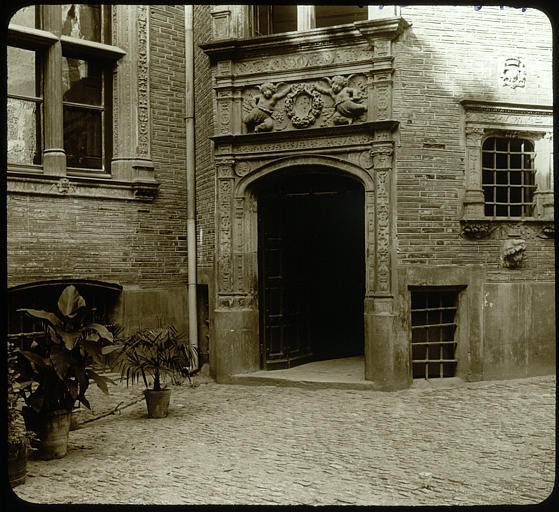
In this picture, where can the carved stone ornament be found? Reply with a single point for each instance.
(63, 185)
(512, 253)
(303, 105)
(548, 230)
(477, 230)
(514, 73)
(347, 100)
(260, 110)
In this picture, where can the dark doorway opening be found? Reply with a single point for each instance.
(311, 267)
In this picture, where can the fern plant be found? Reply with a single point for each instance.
(155, 353)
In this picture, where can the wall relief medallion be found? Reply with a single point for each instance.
(514, 73)
(303, 105)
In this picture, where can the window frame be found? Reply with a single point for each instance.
(42, 42)
(484, 119)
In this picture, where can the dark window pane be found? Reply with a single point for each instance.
(83, 138)
(501, 211)
(82, 21)
(284, 18)
(501, 177)
(516, 145)
(82, 81)
(330, 15)
(23, 132)
(489, 144)
(25, 17)
(22, 72)
(515, 195)
(515, 161)
(515, 211)
(501, 161)
(501, 144)
(487, 161)
(487, 177)
(515, 177)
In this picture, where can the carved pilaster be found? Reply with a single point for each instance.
(382, 155)
(474, 201)
(226, 180)
(381, 33)
(131, 121)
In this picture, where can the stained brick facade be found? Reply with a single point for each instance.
(444, 71)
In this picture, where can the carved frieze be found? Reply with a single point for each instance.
(339, 100)
(235, 301)
(487, 229)
(302, 61)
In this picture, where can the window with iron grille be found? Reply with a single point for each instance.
(433, 327)
(508, 177)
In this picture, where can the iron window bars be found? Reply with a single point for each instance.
(433, 326)
(508, 177)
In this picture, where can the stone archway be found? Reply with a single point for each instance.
(237, 316)
(311, 266)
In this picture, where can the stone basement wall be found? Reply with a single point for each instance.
(141, 246)
(448, 54)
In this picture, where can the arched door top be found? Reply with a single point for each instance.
(314, 161)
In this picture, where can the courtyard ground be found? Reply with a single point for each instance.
(466, 444)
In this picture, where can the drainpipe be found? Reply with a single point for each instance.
(190, 177)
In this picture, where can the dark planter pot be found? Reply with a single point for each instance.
(157, 402)
(17, 464)
(53, 430)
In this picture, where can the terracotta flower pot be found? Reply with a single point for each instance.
(157, 402)
(54, 428)
(17, 465)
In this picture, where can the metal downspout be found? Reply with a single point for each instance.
(190, 177)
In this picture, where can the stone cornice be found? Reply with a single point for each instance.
(302, 41)
(506, 108)
(307, 133)
(94, 187)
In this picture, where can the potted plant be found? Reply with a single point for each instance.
(56, 370)
(156, 353)
(18, 436)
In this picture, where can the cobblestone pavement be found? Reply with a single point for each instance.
(480, 443)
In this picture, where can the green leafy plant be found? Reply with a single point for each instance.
(156, 353)
(19, 438)
(56, 370)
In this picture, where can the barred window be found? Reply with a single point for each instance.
(433, 328)
(508, 177)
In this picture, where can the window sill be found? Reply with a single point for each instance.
(26, 182)
(516, 227)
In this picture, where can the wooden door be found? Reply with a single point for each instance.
(284, 318)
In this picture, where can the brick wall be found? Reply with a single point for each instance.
(204, 112)
(448, 54)
(132, 243)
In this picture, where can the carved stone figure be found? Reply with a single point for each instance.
(512, 253)
(347, 100)
(261, 112)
